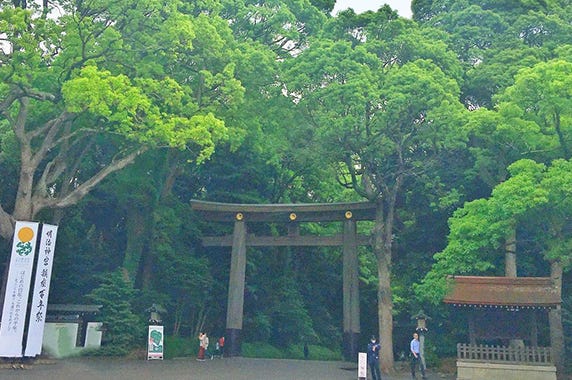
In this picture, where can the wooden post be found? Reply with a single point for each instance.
(472, 328)
(234, 311)
(351, 309)
(555, 320)
(533, 329)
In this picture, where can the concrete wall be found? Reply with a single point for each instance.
(60, 339)
(480, 371)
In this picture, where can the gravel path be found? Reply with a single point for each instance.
(188, 368)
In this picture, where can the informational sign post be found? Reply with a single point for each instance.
(155, 345)
(362, 366)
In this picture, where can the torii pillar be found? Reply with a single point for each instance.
(350, 291)
(235, 304)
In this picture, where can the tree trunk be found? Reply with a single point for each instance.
(6, 224)
(23, 204)
(510, 268)
(137, 219)
(382, 248)
(510, 254)
(555, 321)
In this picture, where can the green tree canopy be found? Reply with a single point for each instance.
(78, 101)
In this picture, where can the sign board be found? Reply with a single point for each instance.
(155, 343)
(362, 365)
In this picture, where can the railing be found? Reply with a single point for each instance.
(503, 354)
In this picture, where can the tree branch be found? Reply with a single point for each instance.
(81, 191)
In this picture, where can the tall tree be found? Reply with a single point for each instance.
(535, 198)
(74, 122)
(382, 123)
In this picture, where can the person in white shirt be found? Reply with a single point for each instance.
(416, 356)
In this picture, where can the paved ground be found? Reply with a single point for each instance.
(188, 368)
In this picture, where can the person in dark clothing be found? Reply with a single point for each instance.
(373, 358)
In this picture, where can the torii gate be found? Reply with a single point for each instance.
(293, 215)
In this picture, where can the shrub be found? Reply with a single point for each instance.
(176, 347)
(261, 350)
(123, 329)
(296, 351)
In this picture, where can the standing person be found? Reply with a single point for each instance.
(373, 358)
(206, 346)
(203, 347)
(221, 346)
(416, 356)
(201, 354)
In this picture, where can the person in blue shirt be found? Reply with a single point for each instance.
(416, 356)
(373, 358)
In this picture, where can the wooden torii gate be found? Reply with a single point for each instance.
(293, 215)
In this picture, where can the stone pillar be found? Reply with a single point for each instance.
(350, 291)
(234, 311)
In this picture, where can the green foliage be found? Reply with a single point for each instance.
(87, 245)
(282, 318)
(296, 351)
(478, 230)
(186, 292)
(282, 103)
(315, 352)
(123, 329)
(289, 316)
(261, 350)
(177, 347)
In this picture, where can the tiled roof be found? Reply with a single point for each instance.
(503, 291)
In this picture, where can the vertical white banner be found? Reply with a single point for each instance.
(17, 289)
(41, 290)
(362, 365)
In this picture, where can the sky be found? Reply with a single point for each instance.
(403, 7)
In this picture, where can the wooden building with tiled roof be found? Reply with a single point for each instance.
(507, 319)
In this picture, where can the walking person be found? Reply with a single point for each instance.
(373, 348)
(416, 357)
(206, 346)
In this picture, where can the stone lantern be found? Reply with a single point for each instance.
(155, 312)
(421, 329)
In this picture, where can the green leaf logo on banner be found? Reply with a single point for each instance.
(24, 246)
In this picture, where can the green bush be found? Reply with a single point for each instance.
(318, 352)
(261, 350)
(176, 347)
(267, 351)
